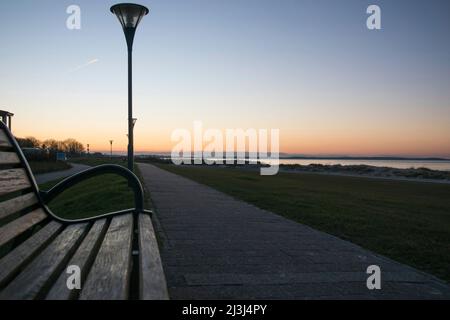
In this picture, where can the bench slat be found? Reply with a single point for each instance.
(15, 205)
(9, 158)
(16, 259)
(110, 275)
(83, 258)
(30, 283)
(152, 282)
(4, 142)
(12, 180)
(20, 225)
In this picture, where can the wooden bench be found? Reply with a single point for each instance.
(117, 253)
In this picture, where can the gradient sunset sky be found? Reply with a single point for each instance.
(310, 68)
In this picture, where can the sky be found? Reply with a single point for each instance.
(310, 68)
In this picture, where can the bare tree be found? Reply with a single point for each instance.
(73, 147)
(29, 142)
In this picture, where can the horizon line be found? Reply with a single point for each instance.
(287, 155)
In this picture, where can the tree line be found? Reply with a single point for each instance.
(51, 146)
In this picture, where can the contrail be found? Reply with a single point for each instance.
(85, 65)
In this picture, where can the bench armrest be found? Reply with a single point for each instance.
(133, 182)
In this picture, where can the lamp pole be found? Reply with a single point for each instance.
(111, 143)
(130, 15)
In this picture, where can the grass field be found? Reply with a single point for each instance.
(98, 195)
(93, 197)
(406, 221)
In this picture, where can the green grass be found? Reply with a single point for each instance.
(39, 167)
(95, 196)
(406, 221)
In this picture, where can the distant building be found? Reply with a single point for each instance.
(61, 156)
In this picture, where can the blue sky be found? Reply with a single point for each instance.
(310, 68)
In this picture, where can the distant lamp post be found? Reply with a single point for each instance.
(111, 143)
(88, 151)
(130, 15)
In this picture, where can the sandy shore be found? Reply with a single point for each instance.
(355, 175)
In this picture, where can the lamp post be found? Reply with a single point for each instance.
(130, 15)
(111, 143)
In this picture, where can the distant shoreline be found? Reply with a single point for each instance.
(364, 158)
(356, 170)
(284, 156)
(369, 176)
(411, 174)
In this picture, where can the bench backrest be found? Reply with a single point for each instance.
(34, 248)
(20, 207)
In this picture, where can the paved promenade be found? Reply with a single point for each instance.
(51, 176)
(217, 247)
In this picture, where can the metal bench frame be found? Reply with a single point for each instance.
(44, 197)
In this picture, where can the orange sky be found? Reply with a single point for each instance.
(311, 139)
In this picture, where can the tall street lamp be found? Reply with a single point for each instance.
(111, 143)
(130, 15)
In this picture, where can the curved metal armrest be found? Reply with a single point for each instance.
(133, 181)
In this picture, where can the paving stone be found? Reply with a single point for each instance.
(216, 247)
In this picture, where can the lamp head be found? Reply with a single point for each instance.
(129, 15)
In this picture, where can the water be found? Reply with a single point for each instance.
(442, 165)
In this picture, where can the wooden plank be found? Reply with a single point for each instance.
(83, 258)
(4, 142)
(152, 281)
(12, 180)
(38, 275)
(17, 227)
(16, 204)
(109, 277)
(16, 259)
(9, 158)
